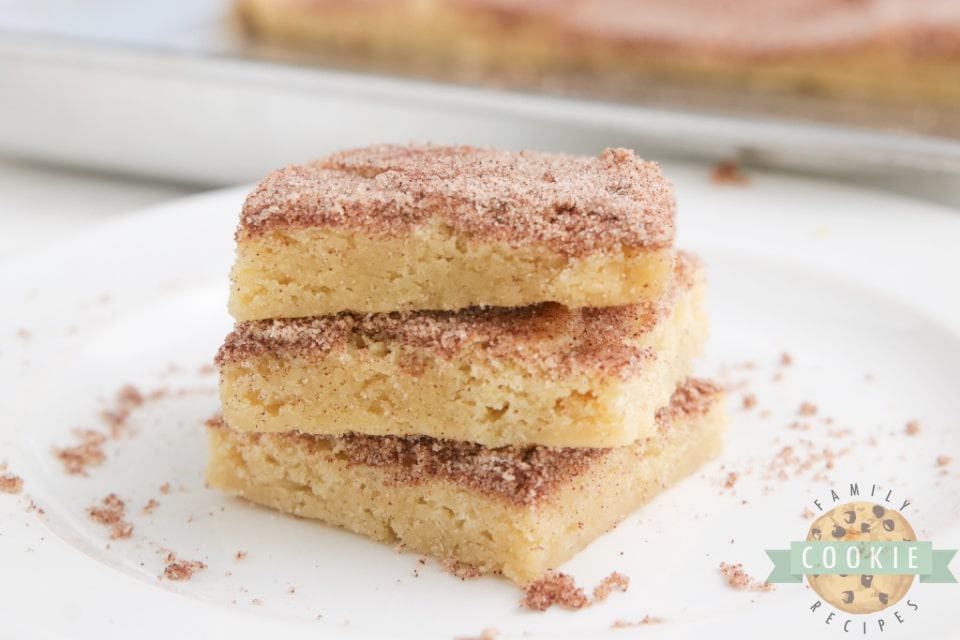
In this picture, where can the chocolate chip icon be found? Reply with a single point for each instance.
(847, 597)
(888, 525)
(878, 511)
(815, 534)
(865, 527)
(851, 516)
(838, 532)
(884, 598)
(866, 580)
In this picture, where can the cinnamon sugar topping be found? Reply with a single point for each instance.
(554, 338)
(522, 475)
(574, 205)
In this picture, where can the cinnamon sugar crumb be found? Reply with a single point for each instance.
(731, 479)
(807, 513)
(486, 634)
(240, 555)
(150, 506)
(127, 399)
(554, 588)
(943, 461)
(575, 205)
(749, 401)
(737, 578)
(613, 581)
(728, 172)
(559, 589)
(10, 483)
(165, 488)
(111, 514)
(807, 409)
(647, 619)
(180, 570)
(462, 570)
(88, 453)
(802, 457)
(912, 428)
(839, 433)
(786, 359)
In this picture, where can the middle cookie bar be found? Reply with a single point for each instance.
(544, 374)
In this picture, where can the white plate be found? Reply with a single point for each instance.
(859, 287)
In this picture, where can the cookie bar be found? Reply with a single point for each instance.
(544, 374)
(515, 511)
(396, 228)
(882, 50)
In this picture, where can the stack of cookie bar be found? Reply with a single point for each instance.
(480, 355)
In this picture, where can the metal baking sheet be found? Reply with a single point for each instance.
(174, 90)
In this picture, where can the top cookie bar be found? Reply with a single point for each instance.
(397, 228)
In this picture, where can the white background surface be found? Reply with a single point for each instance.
(42, 204)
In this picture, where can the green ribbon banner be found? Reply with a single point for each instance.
(875, 557)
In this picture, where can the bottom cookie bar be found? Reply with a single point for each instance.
(516, 511)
